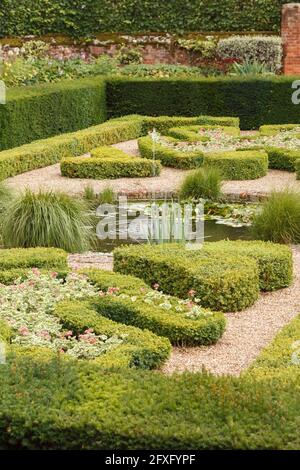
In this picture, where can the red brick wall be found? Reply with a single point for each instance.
(290, 32)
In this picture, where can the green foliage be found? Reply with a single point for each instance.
(26, 17)
(258, 54)
(191, 133)
(140, 349)
(137, 310)
(205, 48)
(129, 55)
(255, 100)
(16, 262)
(225, 275)
(46, 152)
(282, 159)
(46, 219)
(6, 196)
(203, 183)
(42, 111)
(168, 156)
(239, 165)
(249, 68)
(226, 283)
(278, 354)
(275, 263)
(108, 162)
(279, 219)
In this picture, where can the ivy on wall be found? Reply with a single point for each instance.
(83, 18)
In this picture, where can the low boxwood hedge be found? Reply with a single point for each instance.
(108, 162)
(275, 262)
(273, 129)
(169, 156)
(225, 283)
(130, 307)
(239, 165)
(226, 275)
(191, 133)
(282, 159)
(141, 349)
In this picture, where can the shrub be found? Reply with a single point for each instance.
(137, 16)
(46, 219)
(239, 165)
(6, 195)
(255, 100)
(140, 306)
(265, 50)
(203, 183)
(282, 159)
(49, 151)
(141, 349)
(45, 110)
(275, 262)
(270, 130)
(16, 262)
(249, 68)
(108, 162)
(227, 283)
(169, 156)
(191, 133)
(279, 219)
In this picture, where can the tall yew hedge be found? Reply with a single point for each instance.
(85, 17)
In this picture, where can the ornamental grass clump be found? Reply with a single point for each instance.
(46, 219)
(203, 183)
(279, 219)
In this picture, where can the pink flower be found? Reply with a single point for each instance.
(67, 334)
(101, 293)
(36, 271)
(155, 286)
(54, 274)
(191, 293)
(143, 289)
(112, 290)
(89, 331)
(23, 330)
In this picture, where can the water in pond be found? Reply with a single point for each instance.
(213, 231)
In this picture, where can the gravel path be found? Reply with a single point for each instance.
(247, 333)
(164, 185)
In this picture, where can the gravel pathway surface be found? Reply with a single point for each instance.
(162, 186)
(247, 333)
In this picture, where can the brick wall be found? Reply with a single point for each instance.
(290, 32)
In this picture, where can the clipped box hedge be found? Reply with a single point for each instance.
(108, 162)
(225, 275)
(174, 325)
(41, 111)
(282, 159)
(16, 262)
(273, 129)
(190, 411)
(140, 349)
(223, 283)
(275, 262)
(239, 165)
(49, 151)
(169, 156)
(191, 133)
